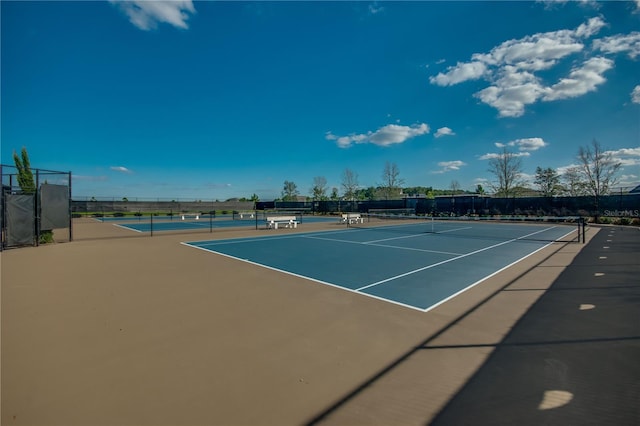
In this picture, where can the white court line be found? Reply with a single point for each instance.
(126, 227)
(251, 240)
(415, 235)
(414, 249)
(340, 287)
(449, 260)
(366, 243)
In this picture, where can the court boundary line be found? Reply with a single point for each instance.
(415, 235)
(127, 228)
(459, 292)
(315, 280)
(415, 271)
(360, 291)
(366, 243)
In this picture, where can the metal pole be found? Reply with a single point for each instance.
(37, 207)
(70, 212)
(152, 224)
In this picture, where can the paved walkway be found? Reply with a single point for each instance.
(574, 358)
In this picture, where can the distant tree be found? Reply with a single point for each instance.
(391, 181)
(25, 175)
(417, 190)
(548, 181)
(599, 170)
(349, 184)
(455, 187)
(573, 185)
(254, 199)
(319, 189)
(370, 193)
(507, 169)
(290, 191)
(479, 189)
(334, 194)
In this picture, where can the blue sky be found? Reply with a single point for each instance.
(213, 100)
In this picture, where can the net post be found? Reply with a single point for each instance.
(38, 207)
(151, 227)
(584, 228)
(580, 230)
(70, 210)
(211, 222)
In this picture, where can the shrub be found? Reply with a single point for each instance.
(46, 237)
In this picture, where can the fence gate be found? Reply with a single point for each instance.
(20, 224)
(26, 215)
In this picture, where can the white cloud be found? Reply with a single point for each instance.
(214, 185)
(512, 91)
(526, 144)
(536, 52)
(444, 131)
(635, 93)
(459, 73)
(385, 136)
(448, 166)
(120, 169)
(375, 8)
(146, 15)
(492, 155)
(626, 180)
(620, 43)
(580, 81)
(511, 68)
(550, 4)
(626, 156)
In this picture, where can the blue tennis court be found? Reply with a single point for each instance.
(419, 265)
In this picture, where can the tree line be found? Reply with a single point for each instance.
(595, 175)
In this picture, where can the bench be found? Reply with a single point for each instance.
(352, 218)
(288, 221)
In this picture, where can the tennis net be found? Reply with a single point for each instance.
(547, 228)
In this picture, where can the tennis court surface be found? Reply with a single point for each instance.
(414, 263)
